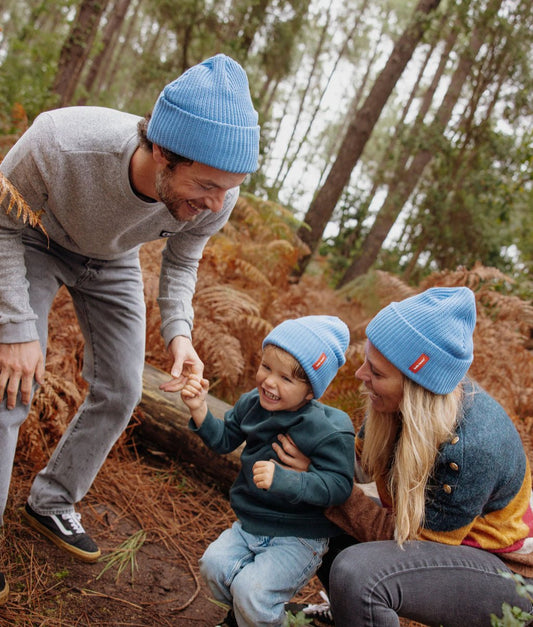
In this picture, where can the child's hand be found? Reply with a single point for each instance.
(263, 474)
(193, 386)
(194, 391)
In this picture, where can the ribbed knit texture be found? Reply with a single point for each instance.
(428, 336)
(207, 115)
(318, 343)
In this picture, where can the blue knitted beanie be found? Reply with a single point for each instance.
(318, 343)
(428, 336)
(207, 115)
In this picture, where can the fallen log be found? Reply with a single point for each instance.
(164, 427)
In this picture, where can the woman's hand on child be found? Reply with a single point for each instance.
(290, 455)
(263, 474)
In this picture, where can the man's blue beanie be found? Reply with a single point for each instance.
(318, 343)
(207, 115)
(428, 336)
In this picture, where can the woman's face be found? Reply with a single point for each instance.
(382, 379)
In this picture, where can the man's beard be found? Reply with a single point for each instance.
(178, 207)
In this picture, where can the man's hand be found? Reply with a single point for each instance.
(263, 474)
(290, 455)
(20, 365)
(185, 363)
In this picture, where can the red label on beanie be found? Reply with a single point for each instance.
(320, 361)
(419, 363)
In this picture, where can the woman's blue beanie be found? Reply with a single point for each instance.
(428, 336)
(207, 115)
(318, 343)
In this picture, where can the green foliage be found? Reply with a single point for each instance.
(27, 74)
(472, 208)
(513, 616)
(296, 620)
(62, 574)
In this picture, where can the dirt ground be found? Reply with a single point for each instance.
(160, 586)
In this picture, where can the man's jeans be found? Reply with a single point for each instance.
(257, 575)
(109, 303)
(373, 583)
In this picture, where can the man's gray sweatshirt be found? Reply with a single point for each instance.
(73, 164)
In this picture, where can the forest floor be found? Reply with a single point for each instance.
(169, 509)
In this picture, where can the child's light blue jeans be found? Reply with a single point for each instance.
(257, 575)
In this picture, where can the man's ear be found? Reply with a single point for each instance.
(158, 156)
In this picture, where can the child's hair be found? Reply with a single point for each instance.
(296, 368)
(402, 447)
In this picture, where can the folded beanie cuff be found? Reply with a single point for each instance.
(216, 144)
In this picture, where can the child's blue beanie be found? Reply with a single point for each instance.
(318, 343)
(207, 115)
(428, 336)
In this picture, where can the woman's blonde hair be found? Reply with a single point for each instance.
(402, 448)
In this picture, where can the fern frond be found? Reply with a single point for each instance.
(16, 201)
(221, 353)
(252, 273)
(473, 278)
(54, 403)
(225, 302)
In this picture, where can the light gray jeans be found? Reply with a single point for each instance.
(109, 304)
(372, 583)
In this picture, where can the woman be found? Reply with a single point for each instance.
(452, 476)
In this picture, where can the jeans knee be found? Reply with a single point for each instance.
(254, 603)
(342, 570)
(120, 395)
(211, 567)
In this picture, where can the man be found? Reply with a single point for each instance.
(107, 181)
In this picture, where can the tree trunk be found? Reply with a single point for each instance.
(312, 119)
(359, 131)
(288, 144)
(164, 427)
(407, 182)
(118, 53)
(76, 49)
(111, 31)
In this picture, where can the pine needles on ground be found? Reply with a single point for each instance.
(124, 555)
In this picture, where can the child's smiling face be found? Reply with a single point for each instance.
(279, 388)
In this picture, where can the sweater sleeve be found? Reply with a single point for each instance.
(19, 167)
(179, 268)
(223, 436)
(361, 517)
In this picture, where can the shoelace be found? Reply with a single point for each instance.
(73, 520)
(320, 609)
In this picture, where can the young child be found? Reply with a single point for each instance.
(281, 533)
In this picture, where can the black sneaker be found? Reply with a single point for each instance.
(4, 589)
(66, 531)
(229, 621)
